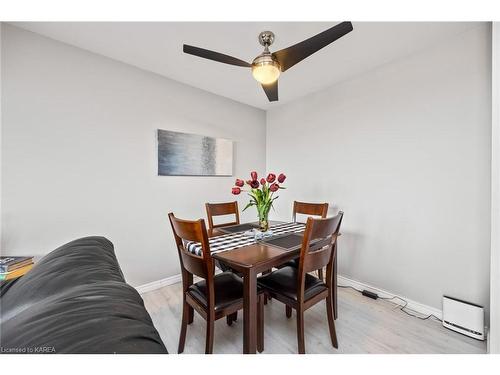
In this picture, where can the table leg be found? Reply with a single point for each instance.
(250, 312)
(335, 291)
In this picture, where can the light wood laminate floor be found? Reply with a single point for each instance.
(363, 326)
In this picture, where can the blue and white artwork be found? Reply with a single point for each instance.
(182, 154)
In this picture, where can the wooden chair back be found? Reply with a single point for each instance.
(220, 209)
(187, 230)
(318, 247)
(312, 209)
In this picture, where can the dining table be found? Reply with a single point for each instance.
(251, 256)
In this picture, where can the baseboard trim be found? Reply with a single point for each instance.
(149, 287)
(342, 280)
(412, 305)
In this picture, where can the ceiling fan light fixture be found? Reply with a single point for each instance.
(265, 69)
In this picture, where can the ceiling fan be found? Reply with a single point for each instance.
(266, 67)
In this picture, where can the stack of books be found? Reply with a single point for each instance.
(13, 267)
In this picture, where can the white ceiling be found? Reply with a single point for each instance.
(157, 47)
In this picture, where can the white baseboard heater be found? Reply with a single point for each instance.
(463, 317)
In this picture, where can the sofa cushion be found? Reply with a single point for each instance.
(75, 300)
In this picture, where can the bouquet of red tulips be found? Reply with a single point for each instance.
(261, 194)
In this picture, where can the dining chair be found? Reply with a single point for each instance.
(221, 209)
(300, 290)
(214, 297)
(311, 209)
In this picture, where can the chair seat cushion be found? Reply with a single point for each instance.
(291, 263)
(228, 289)
(284, 282)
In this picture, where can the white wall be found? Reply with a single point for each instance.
(79, 153)
(494, 339)
(404, 150)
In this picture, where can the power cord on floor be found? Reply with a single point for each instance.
(401, 307)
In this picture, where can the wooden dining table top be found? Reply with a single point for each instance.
(256, 255)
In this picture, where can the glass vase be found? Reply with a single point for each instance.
(264, 220)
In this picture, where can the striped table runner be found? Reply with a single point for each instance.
(235, 240)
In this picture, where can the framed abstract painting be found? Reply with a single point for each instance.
(183, 154)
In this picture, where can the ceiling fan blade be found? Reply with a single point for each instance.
(271, 91)
(292, 55)
(216, 56)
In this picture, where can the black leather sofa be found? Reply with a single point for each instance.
(75, 300)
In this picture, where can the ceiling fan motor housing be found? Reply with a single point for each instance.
(265, 58)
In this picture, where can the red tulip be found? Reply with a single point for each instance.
(239, 182)
(281, 178)
(254, 176)
(254, 184)
(236, 190)
(271, 177)
(274, 187)
(262, 181)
